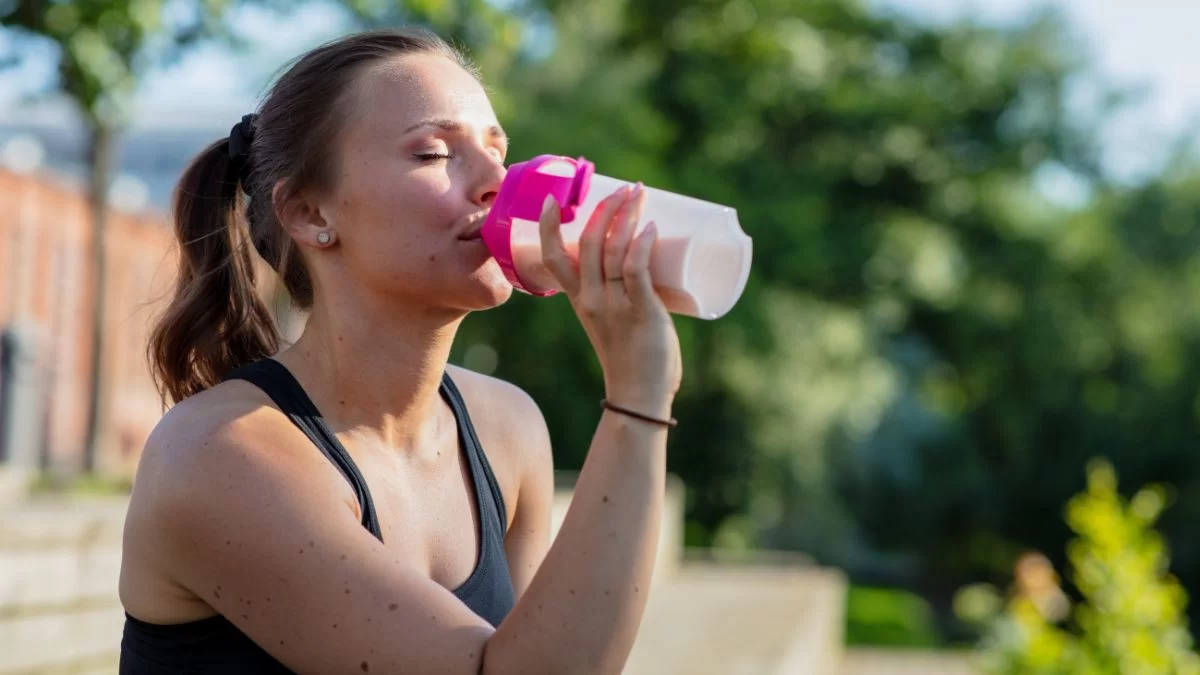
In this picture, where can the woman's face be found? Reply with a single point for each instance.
(421, 158)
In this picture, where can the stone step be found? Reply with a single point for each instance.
(873, 661)
(45, 642)
(742, 619)
(33, 580)
(51, 523)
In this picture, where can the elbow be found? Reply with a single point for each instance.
(540, 664)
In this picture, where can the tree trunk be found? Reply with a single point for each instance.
(100, 162)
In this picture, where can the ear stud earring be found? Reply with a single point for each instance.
(324, 237)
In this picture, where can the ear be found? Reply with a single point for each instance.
(300, 217)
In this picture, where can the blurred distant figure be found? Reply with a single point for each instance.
(1036, 581)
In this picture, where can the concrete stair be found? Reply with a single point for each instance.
(742, 619)
(59, 610)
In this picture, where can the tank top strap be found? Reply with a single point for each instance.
(487, 490)
(278, 383)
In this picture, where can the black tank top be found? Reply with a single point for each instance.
(214, 645)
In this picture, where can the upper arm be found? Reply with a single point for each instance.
(272, 546)
(529, 535)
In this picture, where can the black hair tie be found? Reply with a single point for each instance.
(241, 138)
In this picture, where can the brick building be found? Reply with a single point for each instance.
(45, 285)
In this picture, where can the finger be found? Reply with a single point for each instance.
(591, 242)
(636, 269)
(554, 251)
(616, 246)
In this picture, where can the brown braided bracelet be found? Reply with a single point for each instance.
(670, 422)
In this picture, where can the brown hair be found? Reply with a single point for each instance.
(216, 321)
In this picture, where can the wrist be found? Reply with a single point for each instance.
(656, 420)
(649, 403)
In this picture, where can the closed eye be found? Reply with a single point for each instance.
(432, 156)
(497, 138)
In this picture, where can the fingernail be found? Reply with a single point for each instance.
(651, 228)
(548, 204)
(637, 190)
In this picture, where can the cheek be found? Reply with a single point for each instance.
(421, 207)
(398, 222)
(397, 215)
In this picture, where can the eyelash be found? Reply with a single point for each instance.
(437, 156)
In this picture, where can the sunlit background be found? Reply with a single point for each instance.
(939, 428)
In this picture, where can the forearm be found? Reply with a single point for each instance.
(582, 610)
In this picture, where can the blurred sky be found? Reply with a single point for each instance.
(1147, 42)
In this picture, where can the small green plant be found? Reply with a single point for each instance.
(889, 617)
(81, 485)
(1131, 620)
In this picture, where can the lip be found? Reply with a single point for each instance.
(473, 226)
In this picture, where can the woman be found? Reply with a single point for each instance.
(329, 508)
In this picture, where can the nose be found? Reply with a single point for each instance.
(491, 177)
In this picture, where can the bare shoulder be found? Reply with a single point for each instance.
(205, 414)
(492, 395)
(228, 437)
(202, 462)
(202, 433)
(510, 426)
(500, 410)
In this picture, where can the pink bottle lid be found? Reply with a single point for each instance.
(521, 196)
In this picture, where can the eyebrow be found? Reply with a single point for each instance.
(494, 131)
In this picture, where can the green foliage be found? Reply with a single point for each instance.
(888, 617)
(105, 45)
(930, 345)
(1131, 618)
(84, 485)
(491, 34)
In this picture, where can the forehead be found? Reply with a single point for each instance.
(408, 89)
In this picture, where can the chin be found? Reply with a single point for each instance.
(490, 288)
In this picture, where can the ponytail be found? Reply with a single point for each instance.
(216, 320)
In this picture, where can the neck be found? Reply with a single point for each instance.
(374, 368)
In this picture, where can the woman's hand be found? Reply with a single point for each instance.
(610, 289)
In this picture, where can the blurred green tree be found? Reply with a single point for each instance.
(886, 170)
(489, 31)
(934, 339)
(103, 47)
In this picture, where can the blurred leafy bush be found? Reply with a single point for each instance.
(1130, 619)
